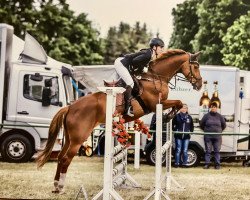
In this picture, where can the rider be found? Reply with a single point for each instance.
(136, 63)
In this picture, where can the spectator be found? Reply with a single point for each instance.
(182, 122)
(153, 122)
(212, 122)
(164, 126)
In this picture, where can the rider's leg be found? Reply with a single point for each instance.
(123, 72)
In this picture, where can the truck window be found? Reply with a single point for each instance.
(33, 89)
(69, 89)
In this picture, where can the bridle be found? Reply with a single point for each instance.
(190, 76)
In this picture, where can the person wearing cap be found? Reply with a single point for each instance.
(212, 122)
(136, 63)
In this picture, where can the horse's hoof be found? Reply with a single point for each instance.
(55, 191)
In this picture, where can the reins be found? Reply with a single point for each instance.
(166, 79)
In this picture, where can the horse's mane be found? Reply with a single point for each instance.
(166, 54)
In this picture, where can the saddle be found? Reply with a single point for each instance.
(136, 92)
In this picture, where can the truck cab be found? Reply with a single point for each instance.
(33, 88)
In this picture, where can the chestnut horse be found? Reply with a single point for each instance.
(80, 118)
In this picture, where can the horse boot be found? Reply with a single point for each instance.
(128, 97)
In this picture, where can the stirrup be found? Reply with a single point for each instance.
(130, 112)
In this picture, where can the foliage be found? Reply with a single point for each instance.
(236, 49)
(185, 25)
(215, 17)
(65, 37)
(125, 39)
(200, 25)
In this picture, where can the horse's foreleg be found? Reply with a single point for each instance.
(175, 106)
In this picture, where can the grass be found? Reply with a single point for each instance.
(24, 181)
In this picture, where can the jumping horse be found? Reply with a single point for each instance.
(79, 119)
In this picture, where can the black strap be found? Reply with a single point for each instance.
(143, 105)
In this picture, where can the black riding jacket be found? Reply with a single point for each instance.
(135, 62)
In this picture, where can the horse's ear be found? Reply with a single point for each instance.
(195, 56)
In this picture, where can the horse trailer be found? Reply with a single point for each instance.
(233, 89)
(32, 90)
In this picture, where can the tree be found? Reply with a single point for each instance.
(125, 39)
(64, 36)
(78, 43)
(18, 13)
(215, 17)
(185, 25)
(236, 51)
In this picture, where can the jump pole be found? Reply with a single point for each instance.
(168, 177)
(137, 150)
(158, 191)
(111, 153)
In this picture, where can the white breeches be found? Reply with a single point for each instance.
(123, 72)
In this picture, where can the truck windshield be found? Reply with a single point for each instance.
(69, 89)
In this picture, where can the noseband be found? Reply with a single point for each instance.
(191, 75)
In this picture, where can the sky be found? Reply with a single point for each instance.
(106, 13)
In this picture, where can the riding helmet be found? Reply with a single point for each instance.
(156, 42)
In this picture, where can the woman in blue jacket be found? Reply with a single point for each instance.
(182, 122)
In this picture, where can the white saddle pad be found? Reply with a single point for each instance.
(92, 76)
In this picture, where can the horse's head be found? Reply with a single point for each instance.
(176, 60)
(191, 70)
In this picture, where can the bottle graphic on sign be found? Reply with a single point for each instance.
(215, 98)
(204, 102)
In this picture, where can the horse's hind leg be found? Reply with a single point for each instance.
(77, 137)
(59, 163)
(65, 162)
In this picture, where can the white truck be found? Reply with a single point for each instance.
(231, 83)
(32, 90)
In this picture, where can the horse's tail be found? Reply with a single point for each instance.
(55, 126)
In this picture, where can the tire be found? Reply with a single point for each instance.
(150, 156)
(246, 163)
(16, 148)
(194, 156)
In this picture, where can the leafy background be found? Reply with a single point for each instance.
(218, 28)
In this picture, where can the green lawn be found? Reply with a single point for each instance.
(25, 181)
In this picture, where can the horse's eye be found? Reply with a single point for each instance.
(196, 66)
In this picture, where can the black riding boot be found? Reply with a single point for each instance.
(128, 97)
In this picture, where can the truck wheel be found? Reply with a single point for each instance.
(194, 156)
(16, 148)
(246, 163)
(151, 155)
